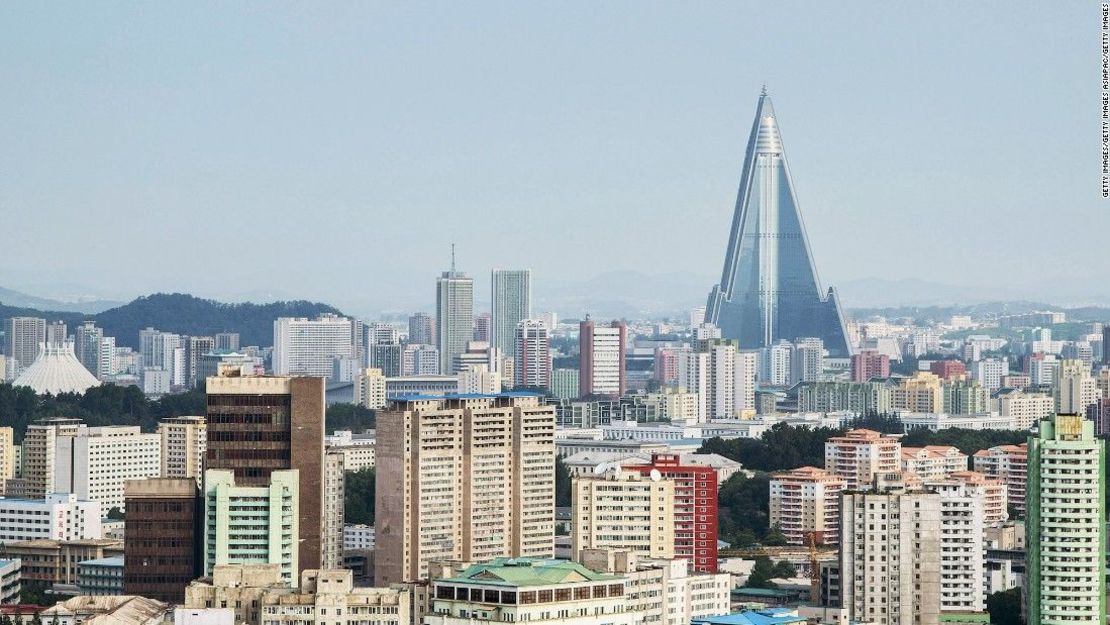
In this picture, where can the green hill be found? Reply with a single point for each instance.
(184, 314)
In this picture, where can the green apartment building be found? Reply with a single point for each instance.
(251, 524)
(1066, 524)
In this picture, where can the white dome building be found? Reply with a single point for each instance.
(57, 370)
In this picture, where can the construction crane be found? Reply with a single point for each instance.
(814, 571)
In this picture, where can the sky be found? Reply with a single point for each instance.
(334, 151)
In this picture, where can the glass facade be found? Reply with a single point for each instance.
(769, 290)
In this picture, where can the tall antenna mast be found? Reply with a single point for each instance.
(452, 258)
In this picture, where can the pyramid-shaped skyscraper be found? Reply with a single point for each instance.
(769, 290)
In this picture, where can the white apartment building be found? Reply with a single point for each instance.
(454, 316)
(370, 389)
(623, 511)
(1025, 409)
(989, 371)
(39, 444)
(805, 503)
(95, 462)
(860, 455)
(60, 516)
(1075, 388)
(722, 377)
(7, 455)
(479, 379)
(774, 364)
(601, 369)
(358, 536)
(358, 451)
(664, 591)
(933, 461)
(807, 360)
(331, 521)
(961, 545)
(473, 481)
(308, 346)
(183, 441)
(1008, 465)
(329, 597)
(890, 554)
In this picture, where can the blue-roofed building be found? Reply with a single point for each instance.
(102, 576)
(772, 616)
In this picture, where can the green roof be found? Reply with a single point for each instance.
(516, 572)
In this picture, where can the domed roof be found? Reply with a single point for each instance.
(57, 370)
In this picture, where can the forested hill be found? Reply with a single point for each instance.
(184, 314)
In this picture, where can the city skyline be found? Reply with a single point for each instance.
(144, 142)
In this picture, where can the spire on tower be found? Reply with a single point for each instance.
(452, 258)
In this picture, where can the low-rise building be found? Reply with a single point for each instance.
(532, 590)
(935, 421)
(933, 461)
(238, 587)
(358, 536)
(102, 576)
(55, 561)
(106, 610)
(60, 516)
(328, 597)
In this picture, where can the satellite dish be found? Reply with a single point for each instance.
(656, 475)
(601, 468)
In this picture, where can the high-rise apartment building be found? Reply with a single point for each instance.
(482, 327)
(195, 348)
(419, 359)
(869, 364)
(769, 289)
(774, 364)
(184, 441)
(1025, 409)
(56, 333)
(331, 516)
(623, 511)
(7, 455)
(86, 345)
(695, 508)
(860, 455)
(1066, 524)
(253, 524)
(370, 389)
(454, 316)
(259, 425)
(39, 445)
(922, 392)
(962, 520)
(858, 397)
(532, 355)
(933, 461)
(805, 504)
(22, 336)
(890, 554)
(989, 372)
(807, 360)
(162, 550)
(421, 329)
(463, 478)
(564, 383)
(601, 366)
(965, 397)
(1007, 464)
(511, 303)
(95, 462)
(1075, 389)
(723, 378)
(308, 346)
(950, 369)
(227, 341)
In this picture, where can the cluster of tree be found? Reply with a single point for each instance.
(1005, 607)
(765, 570)
(967, 441)
(109, 404)
(562, 483)
(742, 512)
(184, 314)
(106, 404)
(358, 496)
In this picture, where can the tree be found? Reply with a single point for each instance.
(1005, 607)
(562, 483)
(349, 417)
(762, 573)
(774, 537)
(784, 570)
(742, 508)
(115, 514)
(358, 496)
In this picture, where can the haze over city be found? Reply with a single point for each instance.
(335, 152)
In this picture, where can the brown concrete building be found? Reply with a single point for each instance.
(463, 477)
(55, 561)
(161, 549)
(261, 424)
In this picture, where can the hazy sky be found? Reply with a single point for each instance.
(334, 150)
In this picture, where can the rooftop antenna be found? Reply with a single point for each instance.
(452, 258)
(764, 92)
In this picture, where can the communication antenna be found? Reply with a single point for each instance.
(452, 258)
